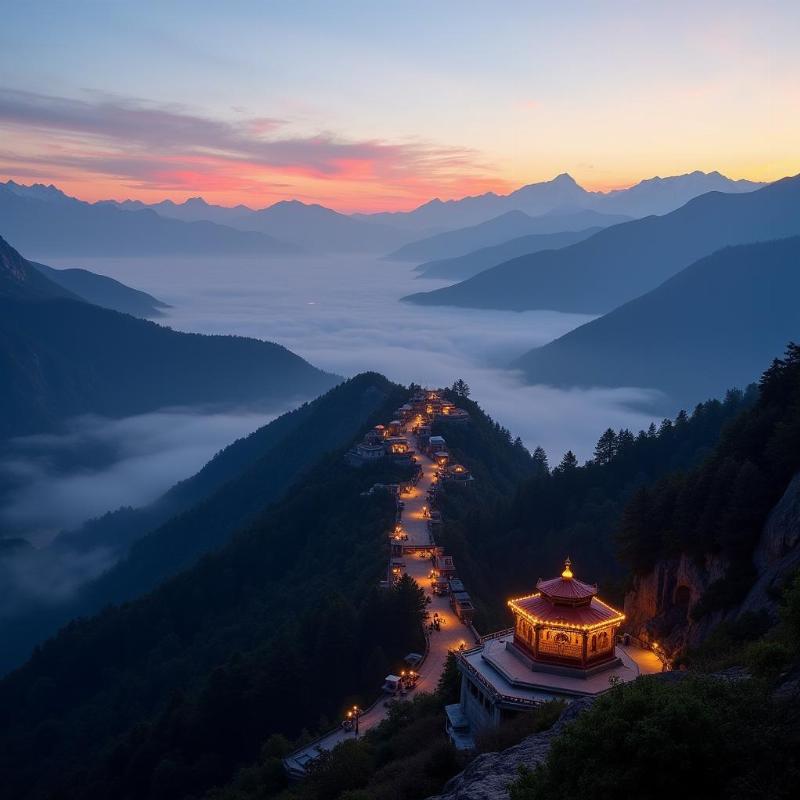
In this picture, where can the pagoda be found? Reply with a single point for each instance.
(564, 645)
(564, 624)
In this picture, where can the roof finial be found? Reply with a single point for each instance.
(567, 573)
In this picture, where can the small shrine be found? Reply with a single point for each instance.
(564, 645)
(564, 623)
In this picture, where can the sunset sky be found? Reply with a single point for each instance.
(378, 105)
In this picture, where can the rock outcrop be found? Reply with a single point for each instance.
(658, 604)
(777, 554)
(489, 775)
(657, 607)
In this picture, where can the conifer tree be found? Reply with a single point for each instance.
(606, 447)
(541, 465)
(460, 388)
(568, 463)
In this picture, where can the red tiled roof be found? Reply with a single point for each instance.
(566, 589)
(541, 609)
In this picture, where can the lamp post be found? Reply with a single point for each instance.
(352, 716)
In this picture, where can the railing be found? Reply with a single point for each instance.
(496, 635)
(498, 696)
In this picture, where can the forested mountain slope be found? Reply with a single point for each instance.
(572, 510)
(714, 516)
(712, 326)
(166, 695)
(196, 516)
(61, 356)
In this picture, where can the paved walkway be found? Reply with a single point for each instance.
(452, 633)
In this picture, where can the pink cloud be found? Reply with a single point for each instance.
(140, 148)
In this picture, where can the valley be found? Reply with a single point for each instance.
(399, 402)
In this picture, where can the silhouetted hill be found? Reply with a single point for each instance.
(20, 280)
(103, 291)
(60, 357)
(652, 196)
(308, 225)
(50, 223)
(709, 327)
(624, 261)
(498, 230)
(194, 517)
(462, 267)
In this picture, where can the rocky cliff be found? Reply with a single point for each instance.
(658, 604)
(657, 607)
(778, 552)
(489, 775)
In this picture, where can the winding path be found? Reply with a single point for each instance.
(453, 632)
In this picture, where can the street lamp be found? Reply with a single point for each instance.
(356, 713)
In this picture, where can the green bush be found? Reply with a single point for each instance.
(653, 739)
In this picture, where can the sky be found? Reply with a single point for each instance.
(379, 106)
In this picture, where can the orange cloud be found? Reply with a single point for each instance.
(109, 146)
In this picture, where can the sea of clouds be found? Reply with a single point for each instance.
(343, 314)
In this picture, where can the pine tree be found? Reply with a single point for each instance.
(540, 463)
(460, 388)
(606, 447)
(568, 463)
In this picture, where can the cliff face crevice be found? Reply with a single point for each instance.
(658, 604)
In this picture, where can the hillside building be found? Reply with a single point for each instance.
(563, 645)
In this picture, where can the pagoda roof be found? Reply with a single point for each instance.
(538, 609)
(566, 601)
(568, 590)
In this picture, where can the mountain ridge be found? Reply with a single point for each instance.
(62, 356)
(498, 230)
(462, 267)
(736, 309)
(626, 260)
(650, 196)
(59, 225)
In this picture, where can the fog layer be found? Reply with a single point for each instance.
(58, 481)
(343, 314)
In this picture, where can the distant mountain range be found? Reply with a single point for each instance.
(310, 227)
(652, 196)
(61, 356)
(462, 267)
(624, 261)
(708, 328)
(45, 222)
(510, 225)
